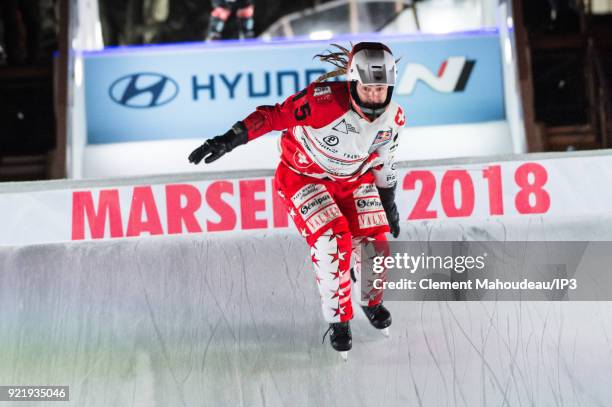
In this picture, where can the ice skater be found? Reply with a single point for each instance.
(337, 175)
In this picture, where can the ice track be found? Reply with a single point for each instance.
(199, 321)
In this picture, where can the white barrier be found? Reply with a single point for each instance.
(233, 318)
(545, 188)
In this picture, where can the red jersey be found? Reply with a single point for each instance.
(325, 138)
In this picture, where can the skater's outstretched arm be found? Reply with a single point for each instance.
(295, 110)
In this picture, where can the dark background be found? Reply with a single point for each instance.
(126, 21)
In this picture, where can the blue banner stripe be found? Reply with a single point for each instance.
(197, 91)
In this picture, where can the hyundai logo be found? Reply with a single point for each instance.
(143, 90)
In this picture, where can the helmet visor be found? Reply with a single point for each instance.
(373, 67)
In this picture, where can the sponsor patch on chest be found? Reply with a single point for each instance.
(344, 127)
(383, 136)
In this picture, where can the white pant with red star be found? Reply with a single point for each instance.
(336, 217)
(335, 267)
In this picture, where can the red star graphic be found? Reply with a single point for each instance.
(339, 293)
(318, 279)
(336, 274)
(334, 236)
(315, 261)
(338, 311)
(337, 256)
(336, 293)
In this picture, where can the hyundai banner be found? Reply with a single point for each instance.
(199, 90)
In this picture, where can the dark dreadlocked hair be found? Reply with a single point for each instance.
(338, 58)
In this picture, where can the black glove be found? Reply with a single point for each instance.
(214, 148)
(387, 197)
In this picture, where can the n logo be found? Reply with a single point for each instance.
(143, 90)
(453, 76)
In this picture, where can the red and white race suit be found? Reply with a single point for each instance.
(332, 159)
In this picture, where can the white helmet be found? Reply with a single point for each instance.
(371, 63)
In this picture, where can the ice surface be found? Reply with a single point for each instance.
(215, 320)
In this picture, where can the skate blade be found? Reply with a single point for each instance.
(385, 332)
(344, 355)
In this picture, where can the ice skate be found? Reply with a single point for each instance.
(379, 317)
(340, 337)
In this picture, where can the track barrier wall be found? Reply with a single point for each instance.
(232, 317)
